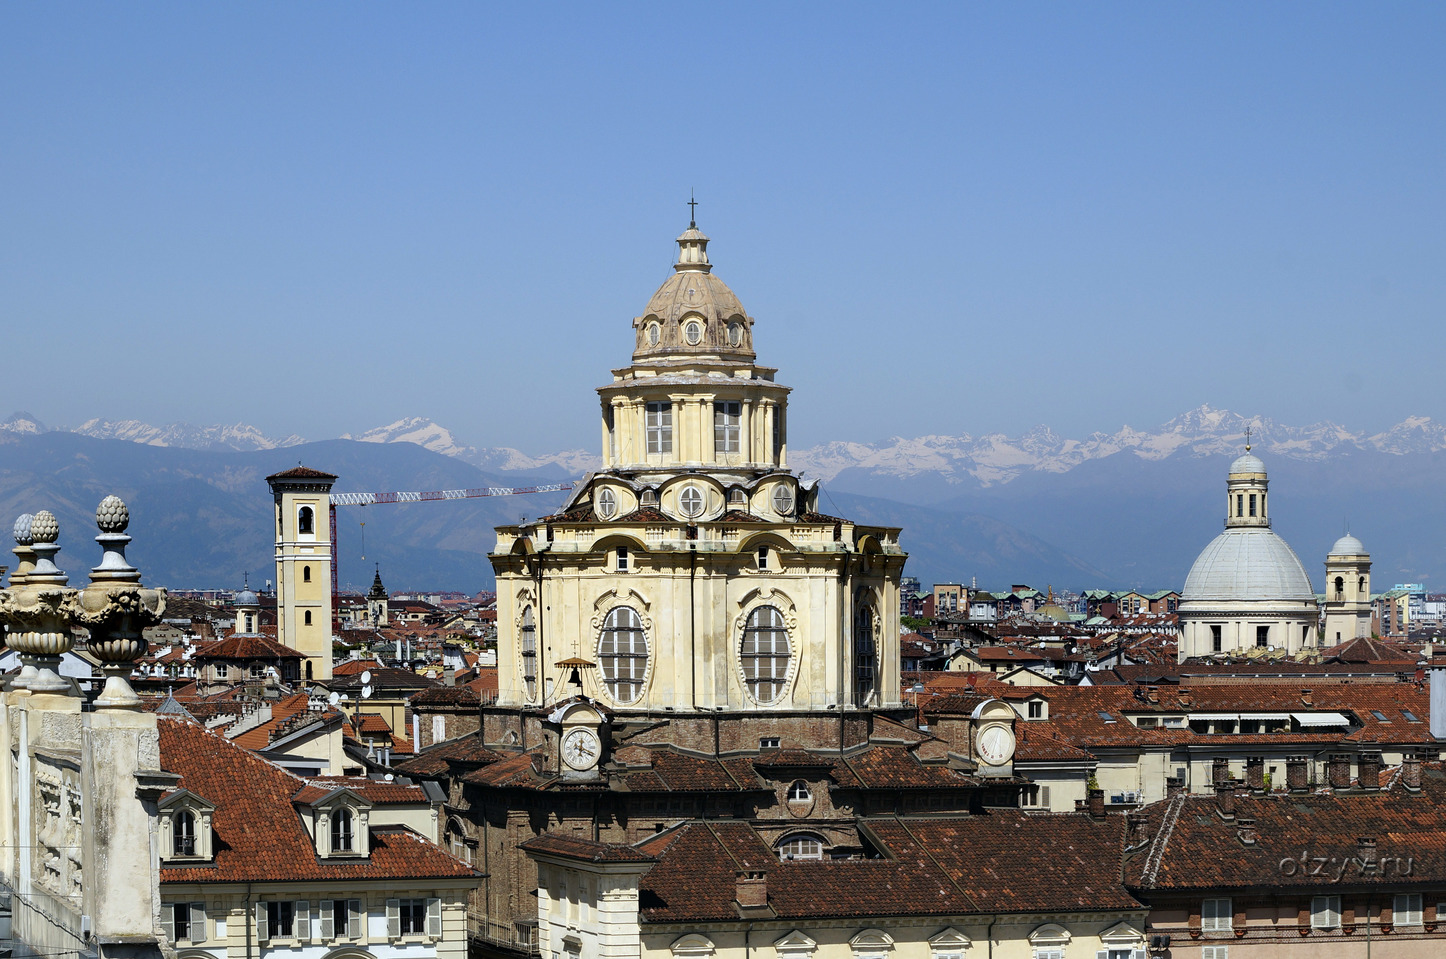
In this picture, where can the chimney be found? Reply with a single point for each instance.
(1306, 699)
(1255, 772)
(751, 888)
(1137, 829)
(1245, 831)
(1438, 700)
(1338, 771)
(1411, 771)
(1220, 770)
(1174, 786)
(1366, 848)
(1225, 800)
(1096, 803)
(1297, 776)
(449, 676)
(1368, 776)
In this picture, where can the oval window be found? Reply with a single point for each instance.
(655, 333)
(693, 332)
(622, 654)
(607, 503)
(765, 654)
(690, 501)
(782, 500)
(735, 333)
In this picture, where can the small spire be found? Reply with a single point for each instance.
(1247, 439)
(692, 211)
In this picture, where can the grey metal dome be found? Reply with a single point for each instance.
(1248, 463)
(247, 598)
(1247, 564)
(1348, 545)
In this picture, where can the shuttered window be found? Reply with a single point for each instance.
(1325, 912)
(727, 415)
(765, 654)
(623, 654)
(660, 427)
(1216, 916)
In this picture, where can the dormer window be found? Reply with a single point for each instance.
(343, 824)
(183, 833)
(185, 826)
(607, 503)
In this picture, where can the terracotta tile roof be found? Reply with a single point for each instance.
(1203, 850)
(1006, 862)
(371, 723)
(258, 835)
(377, 791)
(585, 849)
(646, 514)
(247, 647)
(740, 516)
(896, 767)
(516, 770)
(1035, 745)
(443, 758)
(792, 759)
(384, 678)
(354, 667)
(447, 696)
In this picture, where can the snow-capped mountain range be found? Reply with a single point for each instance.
(988, 459)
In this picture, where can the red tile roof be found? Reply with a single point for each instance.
(301, 472)
(259, 836)
(248, 647)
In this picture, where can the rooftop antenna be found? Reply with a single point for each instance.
(692, 210)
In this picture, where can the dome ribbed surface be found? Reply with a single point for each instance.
(1247, 565)
(1348, 545)
(1249, 463)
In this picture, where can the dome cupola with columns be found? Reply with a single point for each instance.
(1247, 590)
(694, 571)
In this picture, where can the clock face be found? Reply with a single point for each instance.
(996, 745)
(581, 748)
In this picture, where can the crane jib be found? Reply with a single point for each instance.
(367, 499)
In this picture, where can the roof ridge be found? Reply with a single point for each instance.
(937, 865)
(1162, 839)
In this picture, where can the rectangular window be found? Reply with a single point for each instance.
(1216, 915)
(1239, 504)
(1262, 636)
(1036, 710)
(727, 415)
(280, 919)
(777, 432)
(622, 559)
(184, 921)
(1052, 952)
(1325, 912)
(1217, 643)
(660, 427)
(414, 917)
(1252, 504)
(768, 742)
(1408, 910)
(1215, 952)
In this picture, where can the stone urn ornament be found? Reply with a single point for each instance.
(116, 608)
(38, 613)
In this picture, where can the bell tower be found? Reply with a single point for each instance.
(1348, 591)
(378, 603)
(303, 565)
(1245, 495)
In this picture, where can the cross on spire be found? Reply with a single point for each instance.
(692, 211)
(1247, 439)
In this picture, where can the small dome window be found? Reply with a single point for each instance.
(655, 333)
(693, 332)
(782, 500)
(690, 501)
(735, 333)
(607, 503)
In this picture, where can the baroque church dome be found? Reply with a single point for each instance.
(1249, 564)
(693, 312)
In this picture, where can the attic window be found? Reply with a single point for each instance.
(1410, 716)
(1380, 716)
(607, 503)
(342, 830)
(799, 792)
(800, 845)
(768, 742)
(1106, 716)
(183, 834)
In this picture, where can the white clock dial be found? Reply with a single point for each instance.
(996, 745)
(581, 748)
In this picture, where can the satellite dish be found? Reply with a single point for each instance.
(334, 698)
(366, 692)
(366, 677)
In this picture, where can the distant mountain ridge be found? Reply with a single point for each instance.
(987, 459)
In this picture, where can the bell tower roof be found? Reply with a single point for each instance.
(378, 591)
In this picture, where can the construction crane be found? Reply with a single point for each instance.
(427, 496)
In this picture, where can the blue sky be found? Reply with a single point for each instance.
(946, 218)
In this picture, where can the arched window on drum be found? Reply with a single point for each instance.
(622, 653)
(765, 654)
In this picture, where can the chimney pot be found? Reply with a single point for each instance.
(1220, 770)
(1096, 803)
(1245, 830)
(1368, 776)
(1255, 772)
(1411, 771)
(1225, 799)
(1338, 771)
(1297, 774)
